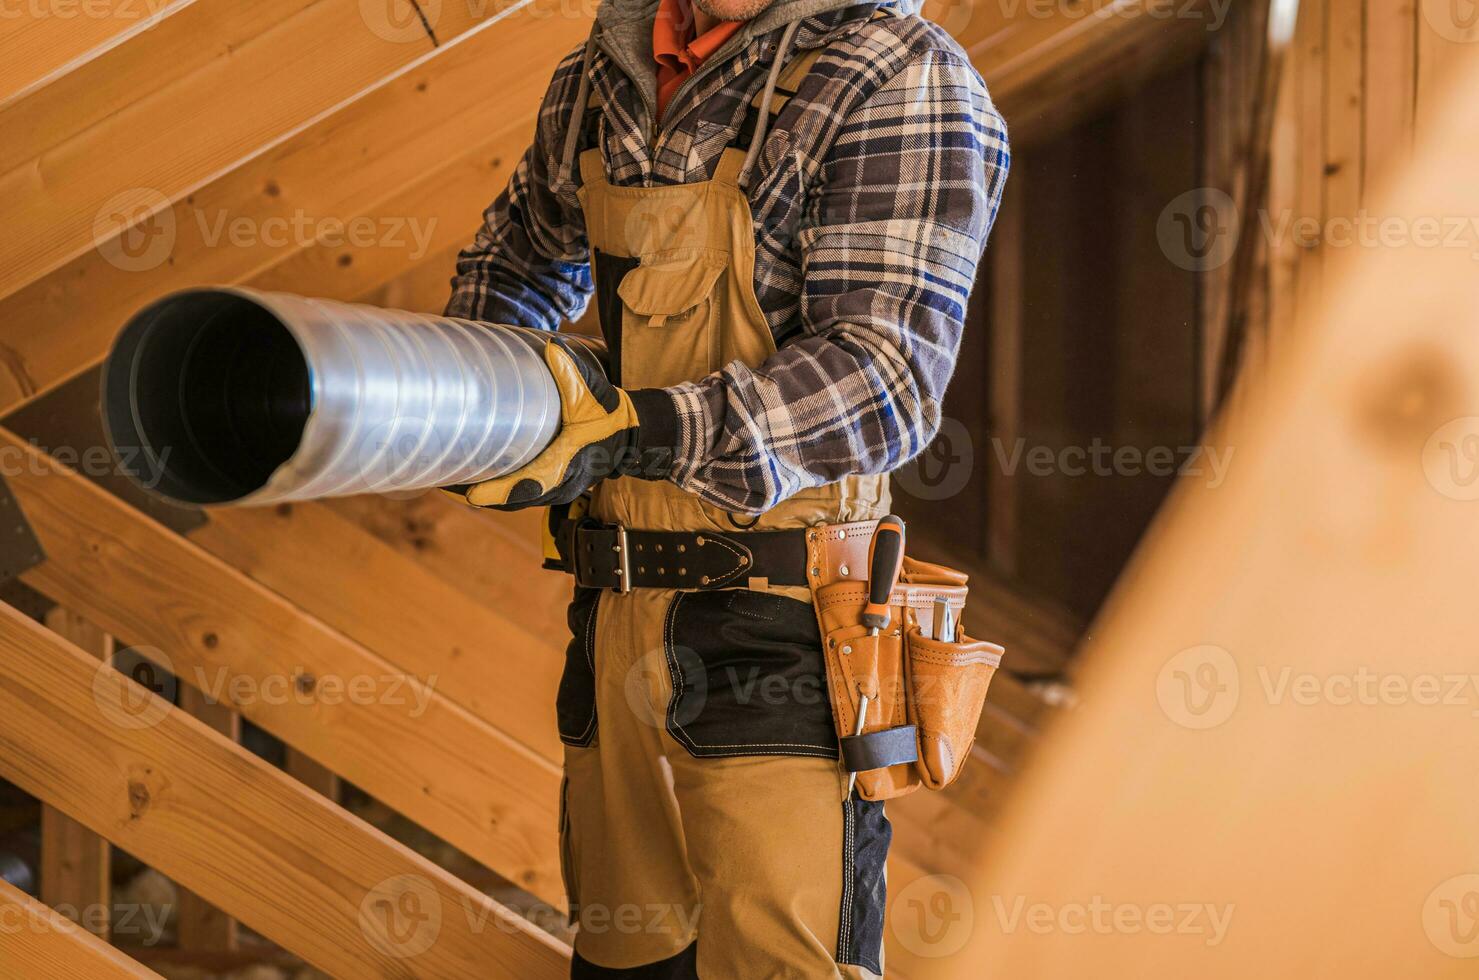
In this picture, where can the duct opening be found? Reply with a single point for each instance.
(205, 395)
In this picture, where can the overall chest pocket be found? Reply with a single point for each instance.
(672, 317)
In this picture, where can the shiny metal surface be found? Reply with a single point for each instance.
(231, 396)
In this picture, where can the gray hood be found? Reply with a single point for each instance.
(624, 28)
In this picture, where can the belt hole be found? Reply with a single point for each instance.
(661, 570)
(642, 568)
(682, 548)
(658, 547)
(843, 570)
(682, 571)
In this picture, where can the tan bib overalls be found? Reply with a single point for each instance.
(703, 800)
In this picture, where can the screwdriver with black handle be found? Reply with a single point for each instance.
(885, 563)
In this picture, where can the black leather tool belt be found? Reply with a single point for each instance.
(607, 556)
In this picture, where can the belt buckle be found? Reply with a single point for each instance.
(623, 561)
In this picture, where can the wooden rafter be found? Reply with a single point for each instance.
(38, 944)
(240, 832)
(405, 743)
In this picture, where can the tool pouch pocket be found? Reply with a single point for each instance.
(945, 688)
(925, 694)
(858, 665)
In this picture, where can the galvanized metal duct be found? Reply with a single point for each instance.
(230, 396)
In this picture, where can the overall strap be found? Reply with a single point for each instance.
(577, 114)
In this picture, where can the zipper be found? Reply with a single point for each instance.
(649, 106)
(650, 128)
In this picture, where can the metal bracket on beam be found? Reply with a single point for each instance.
(20, 549)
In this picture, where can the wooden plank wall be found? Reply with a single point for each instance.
(1359, 92)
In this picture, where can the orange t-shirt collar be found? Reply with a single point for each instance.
(677, 51)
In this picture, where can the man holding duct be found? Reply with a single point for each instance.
(778, 207)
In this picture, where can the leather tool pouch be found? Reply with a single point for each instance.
(925, 695)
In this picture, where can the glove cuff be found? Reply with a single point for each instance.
(657, 431)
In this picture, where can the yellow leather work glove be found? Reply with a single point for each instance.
(598, 438)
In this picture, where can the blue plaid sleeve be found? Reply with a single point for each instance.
(909, 192)
(529, 264)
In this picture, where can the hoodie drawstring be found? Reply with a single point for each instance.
(782, 51)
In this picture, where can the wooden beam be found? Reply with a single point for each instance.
(1048, 65)
(38, 944)
(337, 572)
(199, 924)
(40, 42)
(262, 90)
(490, 82)
(393, 734)
(1212, 781)
(209, 814)
(76, 864)
(1391, 89)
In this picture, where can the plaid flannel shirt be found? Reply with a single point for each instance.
(873, 198)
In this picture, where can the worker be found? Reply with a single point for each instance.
(778, 208)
